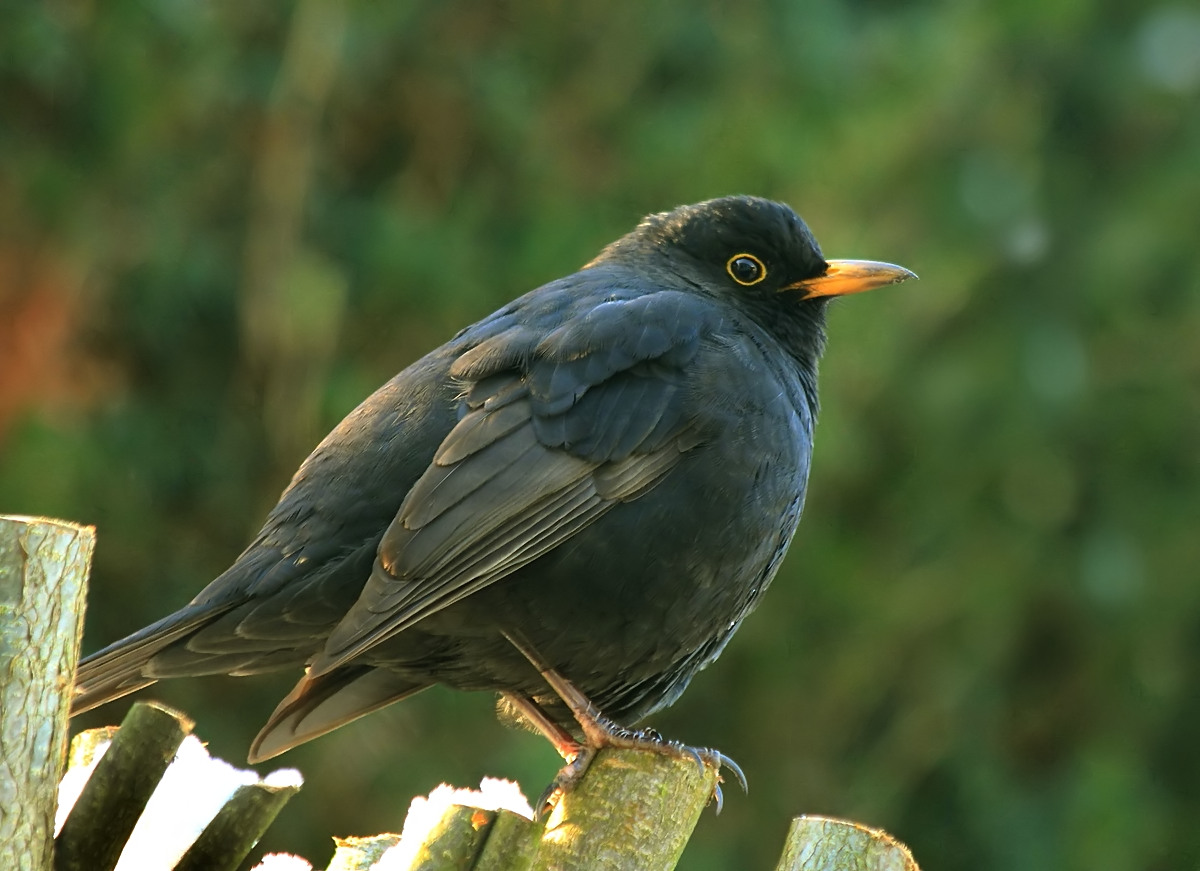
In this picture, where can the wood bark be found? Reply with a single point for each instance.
(817, 843)
(44, 567)
(112, 801)
(633, 811)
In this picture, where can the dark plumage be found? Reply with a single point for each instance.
(610, 468)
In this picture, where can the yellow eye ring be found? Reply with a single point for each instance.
(746, 269)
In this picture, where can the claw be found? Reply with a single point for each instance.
(724, 761)
(567, 779)
(546, 802)
(721, 762)
(696, 754)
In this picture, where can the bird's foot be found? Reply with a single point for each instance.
(602, 732)
(567, 778)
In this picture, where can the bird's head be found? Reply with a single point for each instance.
(758, 254)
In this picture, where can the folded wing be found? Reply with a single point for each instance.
(556, 430)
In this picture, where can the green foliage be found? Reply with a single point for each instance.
(224, 223)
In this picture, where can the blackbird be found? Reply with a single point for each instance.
(574, 502)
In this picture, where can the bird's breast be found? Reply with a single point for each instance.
(658, 578)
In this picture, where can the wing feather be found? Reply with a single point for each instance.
(552, 435)
(481, 431)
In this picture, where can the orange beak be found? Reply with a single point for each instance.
(852, 276)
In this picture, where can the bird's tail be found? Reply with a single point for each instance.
(320, 704)
(123, 666)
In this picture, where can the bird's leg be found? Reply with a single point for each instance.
(568, 748)
(577, 756)
(599, 732)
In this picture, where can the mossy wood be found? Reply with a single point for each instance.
(114, 797)
(816, 843)
(43, 582)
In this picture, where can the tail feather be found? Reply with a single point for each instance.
(317, 705)
(123, 666)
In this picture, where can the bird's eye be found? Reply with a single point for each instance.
(746, 269)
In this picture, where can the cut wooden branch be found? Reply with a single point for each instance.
(361, 854)
(453, 829)
(88, 744)
(203, 812)
(511, 845)
(817, 843)
(43, 585)
(114, 797)
(237, 827)
(635, 809)
(453, 841)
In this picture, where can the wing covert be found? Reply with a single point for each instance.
(555, 430)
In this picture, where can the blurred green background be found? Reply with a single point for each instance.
(224, 223)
